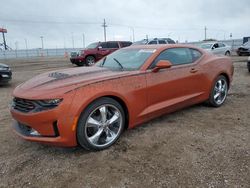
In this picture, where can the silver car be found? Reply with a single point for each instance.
(218, 48)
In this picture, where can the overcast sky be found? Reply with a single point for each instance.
(61, 22)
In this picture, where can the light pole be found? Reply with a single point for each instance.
(83, 40)
(42, 41)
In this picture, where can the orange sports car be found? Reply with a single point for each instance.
(91, 106)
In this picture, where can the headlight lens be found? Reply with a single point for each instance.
(50, 102)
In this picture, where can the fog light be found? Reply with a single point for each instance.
(33, 132)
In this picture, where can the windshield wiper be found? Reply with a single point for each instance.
(118, 63)
(103, 61)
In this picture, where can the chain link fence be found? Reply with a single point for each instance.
(31, 53)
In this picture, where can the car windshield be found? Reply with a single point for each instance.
(92, 45)
(206, 46)
(247, 44)
(126, 59)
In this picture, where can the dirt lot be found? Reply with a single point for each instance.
(196, 147)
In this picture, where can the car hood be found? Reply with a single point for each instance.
(61, 81)
(3, 65)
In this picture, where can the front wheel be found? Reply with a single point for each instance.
(90, 60)
(219, 91)
(101, 124)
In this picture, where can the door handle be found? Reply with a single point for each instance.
(193, 70)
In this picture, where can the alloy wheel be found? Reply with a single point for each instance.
(103, 125)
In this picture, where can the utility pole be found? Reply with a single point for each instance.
(26, 44)
(83, 40)
(205, 33)
(42, 41)
(104, 25)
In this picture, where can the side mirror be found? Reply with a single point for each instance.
(99, 47)
(162, 64)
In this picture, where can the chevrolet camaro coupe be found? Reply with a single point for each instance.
(92, 106)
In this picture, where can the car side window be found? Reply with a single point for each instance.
(113, 45)
(177, 56)
(104, 45)
(162, 42)
(216, 45)
(153, 42)
(221, 45)
(125, 44)
(195, 54)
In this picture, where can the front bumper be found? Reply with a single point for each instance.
(78, 60)
(54, 126)
(5, 76)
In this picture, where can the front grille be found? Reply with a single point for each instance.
(23, 105)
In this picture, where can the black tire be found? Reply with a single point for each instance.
(79, 64)
(214, 92)
(83, 130)
(90, 60)
(227, 53)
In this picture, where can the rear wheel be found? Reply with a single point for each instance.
(219, 92)
(101, 124)
(227, 53)
(90, 60)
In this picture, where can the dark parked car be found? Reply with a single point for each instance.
(155, 41)
(244, 49)
(96, 51)
(5, 74)
(248, 64)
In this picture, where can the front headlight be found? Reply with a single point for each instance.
(50, 102)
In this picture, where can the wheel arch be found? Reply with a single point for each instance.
(117, 98)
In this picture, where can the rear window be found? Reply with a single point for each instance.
(125, 44)
(162, 42)
(113, 45)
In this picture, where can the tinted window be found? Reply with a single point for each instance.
(153, 42)
(113, 45)
(125, 44)
(162, 42)
(170, 41)
(104, 45)
(177, 56)
(196, 54)
(216, 45)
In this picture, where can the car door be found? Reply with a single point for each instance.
(223, 48)
(216, 49)
(181, 84)
(102, 50)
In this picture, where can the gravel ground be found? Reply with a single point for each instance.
(199, 146)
